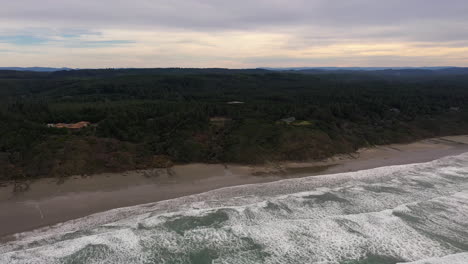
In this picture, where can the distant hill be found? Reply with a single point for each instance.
(353, 73)
(120, 71)
(346, 73)
(35, 69)
(22, 73)
(354, 68)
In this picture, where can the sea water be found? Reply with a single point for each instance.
(415, 213)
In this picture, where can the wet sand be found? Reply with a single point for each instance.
(48, 202)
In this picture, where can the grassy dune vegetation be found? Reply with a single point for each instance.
(146, 118)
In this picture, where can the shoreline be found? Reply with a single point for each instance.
(48, 202)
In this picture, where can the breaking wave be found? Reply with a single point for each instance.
(414, 213)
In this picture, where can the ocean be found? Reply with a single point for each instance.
(415, 213)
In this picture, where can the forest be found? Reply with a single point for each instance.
(154, 118)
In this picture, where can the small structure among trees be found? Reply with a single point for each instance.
(219, 120)
(288, 120)
(78, 125)
(235, 103)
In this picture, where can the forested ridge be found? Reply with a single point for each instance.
(145, 118)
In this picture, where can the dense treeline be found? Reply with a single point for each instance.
(154, 117)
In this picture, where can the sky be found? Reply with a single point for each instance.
(233, 34)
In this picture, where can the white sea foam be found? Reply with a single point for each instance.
(461, 258)
(389, 214)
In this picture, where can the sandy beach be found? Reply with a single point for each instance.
(48, 201)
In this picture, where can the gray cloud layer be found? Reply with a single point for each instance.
(207, 14)
(308, 22)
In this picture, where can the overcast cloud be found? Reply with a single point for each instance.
(241, 33)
